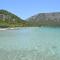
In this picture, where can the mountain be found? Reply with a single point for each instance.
(45, 19)
(8, 19)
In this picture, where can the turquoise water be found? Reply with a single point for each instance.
(33, 43)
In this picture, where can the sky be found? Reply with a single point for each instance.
(27, 8)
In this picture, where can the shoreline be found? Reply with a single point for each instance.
(1, 29)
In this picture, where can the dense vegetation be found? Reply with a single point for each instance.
(11, 20)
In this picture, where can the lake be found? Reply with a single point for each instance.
(30, 43)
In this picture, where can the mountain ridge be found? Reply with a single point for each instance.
(45, 19)
(8, 19)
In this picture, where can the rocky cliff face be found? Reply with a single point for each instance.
(45, 19)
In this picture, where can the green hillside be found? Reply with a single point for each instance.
(7, 19)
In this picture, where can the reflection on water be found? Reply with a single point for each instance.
(30, 44)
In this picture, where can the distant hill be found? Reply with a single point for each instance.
(8, 19)
(45, 19)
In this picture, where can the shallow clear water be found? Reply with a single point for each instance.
(30, 43)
